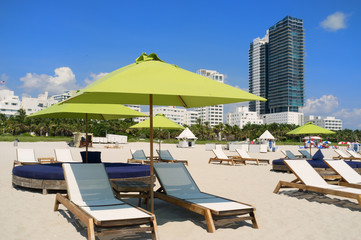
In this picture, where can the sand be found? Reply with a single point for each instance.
(28, 214)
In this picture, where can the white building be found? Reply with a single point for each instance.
(136, 108)
(9, 104)
(173, 113)
(32, 105)
(190, 117)
(242, 116)
(63, 96)
(330, 123)
(284, 117)
(211, 114)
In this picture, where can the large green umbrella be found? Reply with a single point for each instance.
(160, 122)
(87, 111)
(308, 129)
(150, 81)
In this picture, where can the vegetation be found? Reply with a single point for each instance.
(24, 129)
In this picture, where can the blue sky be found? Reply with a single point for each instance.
(60, 45)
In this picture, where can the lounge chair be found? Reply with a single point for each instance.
(289, 155)
(179, 188)
(222, 157)
(138, 156)
(354, 155)
(342, 155)
(244, 155)
(350, 177)
(305, 154)
(165, 156)
(90, 198)
(63, 155)
(309, 180)
(26, 156)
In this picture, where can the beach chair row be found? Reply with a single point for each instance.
(242, 158)
(26, 156)
(138, 156)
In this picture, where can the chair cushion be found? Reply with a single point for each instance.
(93, 157)
(318, 155)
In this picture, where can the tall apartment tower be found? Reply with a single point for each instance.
(258, 53)
(282, 77)
(211, 114)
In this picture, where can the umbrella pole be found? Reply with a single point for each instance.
(309, 138)
(86, 138)
(151, 153)
(159, 139)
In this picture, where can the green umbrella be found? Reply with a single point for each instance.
(308, 129)
(150, 81)
(87, 111)
(160, 122)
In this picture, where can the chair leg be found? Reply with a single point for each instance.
(155, 229)
(56, 206)
(209, 221)
(254, 220)
(277, 187)
(91, 234)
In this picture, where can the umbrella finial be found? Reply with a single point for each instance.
(144, 57)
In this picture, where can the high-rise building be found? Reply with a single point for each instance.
(276, 66)
(211, 114)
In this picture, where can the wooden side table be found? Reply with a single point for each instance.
(132, 186)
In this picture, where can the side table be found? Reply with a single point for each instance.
(131, 186)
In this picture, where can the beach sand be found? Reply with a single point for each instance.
(28, 214)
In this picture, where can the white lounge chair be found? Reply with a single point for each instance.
(354, 155)
(90, 198)
(63, 155)
(222, 157)
(350, 177)
(26, 156)
(178, 187)
(342, 155)
(138, 156)
(309, 180)
(245, 156)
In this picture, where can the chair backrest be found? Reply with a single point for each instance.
(242, 153)
(63, 155)
(165, 154)
(305, 172)
(290, 154)
(175, 179)
(306, 154)
(87, 183)
(25, 155)
(344, 170)
(354, 154)
(219, 153)
(138, 154)
(341, 153)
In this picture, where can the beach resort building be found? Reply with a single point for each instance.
(9, 103)
(63, 96)
(284, 117)
(211, 114)
(136, 108)
(32, 105)
(330, 123)
(276, 71)
(242, 116)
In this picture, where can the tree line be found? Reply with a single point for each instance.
(20, 125)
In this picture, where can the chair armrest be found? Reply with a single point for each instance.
(46, 160)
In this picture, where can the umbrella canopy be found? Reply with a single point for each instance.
(159, 121)
(266, 136)
(309, 128)
(187, 134)
(87, 111)
(150, 81)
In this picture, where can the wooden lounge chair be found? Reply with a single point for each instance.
(222, 157)
(305, 154)
(90, 198)
(26, 156)
(350, 178)
(354, 155)
(179, 188)
(165, 156)
(309, 180)
(138, 156)
(342, 155)
(245, 156)
(63, 155)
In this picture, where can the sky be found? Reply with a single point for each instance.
(64, 45)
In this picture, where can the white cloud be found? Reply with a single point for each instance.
(334, 22)
(94, 77)
(350, 117)
(63, 80)
(321, 106)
